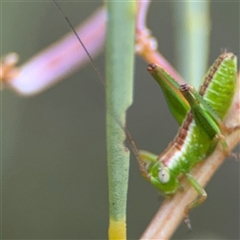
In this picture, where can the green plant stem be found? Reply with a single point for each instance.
(119, 70)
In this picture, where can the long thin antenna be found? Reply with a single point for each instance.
(96, 69)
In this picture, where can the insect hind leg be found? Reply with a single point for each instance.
(220, 138)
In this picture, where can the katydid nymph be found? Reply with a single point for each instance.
(200, 131)
(201, 126)
(181, 114)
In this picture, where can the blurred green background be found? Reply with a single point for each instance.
(54, 171)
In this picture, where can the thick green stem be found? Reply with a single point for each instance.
(119, 69)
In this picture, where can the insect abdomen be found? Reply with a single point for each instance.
(220, 84)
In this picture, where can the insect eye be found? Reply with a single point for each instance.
(164, 175)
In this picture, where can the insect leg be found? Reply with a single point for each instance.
(202, 195)
(221, 138)
(146, 159)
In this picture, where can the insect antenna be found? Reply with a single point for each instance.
(96, 69)
(99, 74)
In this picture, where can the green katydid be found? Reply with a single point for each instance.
(186, 104)
(193, 141)
(179, 105)
(201, 130)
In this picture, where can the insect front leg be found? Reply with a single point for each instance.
(145, 159)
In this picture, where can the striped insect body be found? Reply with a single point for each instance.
(201, 130)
